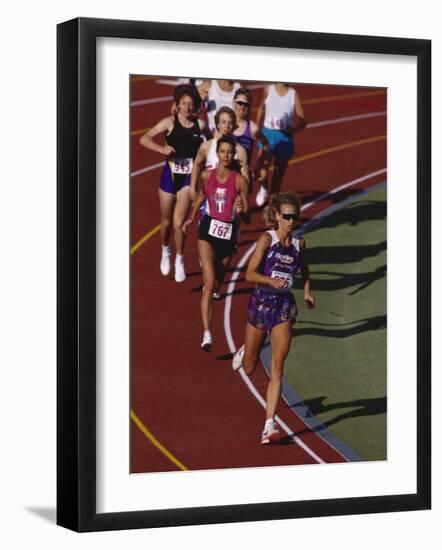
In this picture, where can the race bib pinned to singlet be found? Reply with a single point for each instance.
(286, 277)
(181, 166)
(276, 123)
(220, 230)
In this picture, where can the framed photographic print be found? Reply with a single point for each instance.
(220, 186)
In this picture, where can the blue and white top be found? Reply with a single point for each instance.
(280, 262)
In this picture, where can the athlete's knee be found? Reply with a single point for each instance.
(277, 369)
(209, 285)
(178, 225)
(166, 223)
(250, 363)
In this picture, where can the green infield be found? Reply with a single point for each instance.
(338, 359)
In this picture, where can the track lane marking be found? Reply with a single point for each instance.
(155, 442)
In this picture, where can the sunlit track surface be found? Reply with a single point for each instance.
(193, 404)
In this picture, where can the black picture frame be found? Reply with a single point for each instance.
(76, 274)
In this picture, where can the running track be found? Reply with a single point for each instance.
(189, 410)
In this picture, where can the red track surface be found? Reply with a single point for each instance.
(191, 402)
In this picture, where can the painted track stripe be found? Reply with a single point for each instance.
(344, 119)
(151, 100)
(337, 148)
(145, 238)
(147, 169)
(231, 288)
(155, 442)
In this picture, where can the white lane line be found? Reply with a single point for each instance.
(153, 100)
(228, 307)
(147, 169)
(345, 119)
(314, 125)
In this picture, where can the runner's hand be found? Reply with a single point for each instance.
(277, 283)
(239, 207)
(167, 150)
(186, 224)
(310, 301)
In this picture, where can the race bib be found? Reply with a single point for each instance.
(276, 123)
(286, 277)
(220, 230)
(181, 166)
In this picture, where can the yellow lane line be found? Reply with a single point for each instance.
(304, 102)
(155, 442)
(337, 148)
(144, 239)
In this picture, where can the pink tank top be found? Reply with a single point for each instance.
(221, 197)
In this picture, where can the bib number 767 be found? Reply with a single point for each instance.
(220, 230)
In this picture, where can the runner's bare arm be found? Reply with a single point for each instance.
(305, 273)
(200, 198)
(262, 161)
(146, 140)
(242, 186)
(241, 157)
(301, 122)
(198, 165)
(252, 274)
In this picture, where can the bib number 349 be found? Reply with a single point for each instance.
(220, 230)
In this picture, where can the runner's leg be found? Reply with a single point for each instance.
(207, 257)
(253, 342)
(280, 339)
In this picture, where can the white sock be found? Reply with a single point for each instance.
(179, 259)
(166, 251)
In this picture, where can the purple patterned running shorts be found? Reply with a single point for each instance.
(268, 309)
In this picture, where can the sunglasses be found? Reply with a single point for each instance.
(292, 217)
(242, 103)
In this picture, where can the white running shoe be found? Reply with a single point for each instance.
(165, 264)
(216, 295)
(237, 358)
(271, 433)
(262, 196)
(207, 343)
(180, 272)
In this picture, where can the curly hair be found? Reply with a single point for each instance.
(189, 90)
(274, 206)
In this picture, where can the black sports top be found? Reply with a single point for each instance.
(185, 141)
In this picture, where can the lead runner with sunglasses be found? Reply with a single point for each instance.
(272, 308)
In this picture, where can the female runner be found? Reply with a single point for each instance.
(247, 132)
(218, 228)
(279, 105)
(272, 307)
(183, 138)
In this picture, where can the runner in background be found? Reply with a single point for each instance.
(217, 94)
(218, 228)
(207, 159)
(272, 308)
(247, 132)
(283, 115)
(182, 133)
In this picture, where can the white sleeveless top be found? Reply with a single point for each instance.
(279, 110)
(217, 98)
(212, 157)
